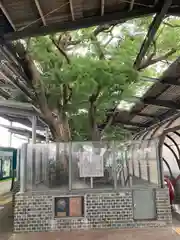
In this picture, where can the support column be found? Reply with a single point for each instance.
(47, 135)
(23, 168)
(34, 126)
(18, 165)
(10, 136)
(114, 166)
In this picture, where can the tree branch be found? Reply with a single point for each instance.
(60, 49)
(148, 62)
(106, 28)
(171, 25)
(67, 90)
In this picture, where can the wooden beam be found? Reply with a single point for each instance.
(170, 81)
(80, 23)
(102, 7)
(131, 5)
(143, 115)
(166, 80)
(161, 103)
(152, 32)
(40, 12)
(4, 94)
(7, 85)
(6, 14)
(72, 9)
(156, 2)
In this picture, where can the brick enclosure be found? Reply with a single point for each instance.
(34, 212)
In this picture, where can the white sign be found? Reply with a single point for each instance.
(91, 165)
(6, 154)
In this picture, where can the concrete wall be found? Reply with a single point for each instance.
(34, 212)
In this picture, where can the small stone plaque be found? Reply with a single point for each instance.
(75, 207)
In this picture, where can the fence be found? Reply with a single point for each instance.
(81, 165)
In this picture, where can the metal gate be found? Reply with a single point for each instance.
(144, 207)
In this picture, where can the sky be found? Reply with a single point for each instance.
(17, 141)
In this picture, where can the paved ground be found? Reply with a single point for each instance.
(5, 187)
(131, 234)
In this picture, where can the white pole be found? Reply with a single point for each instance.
(10, 136)
(34, 126)
(23, 166)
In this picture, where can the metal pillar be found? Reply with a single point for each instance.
(23, 168)
(34, 126)
(114, 167)
(18, 165)
(70, 166)
(47, 135)
(10, 136)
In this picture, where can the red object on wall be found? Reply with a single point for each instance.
(171, 189)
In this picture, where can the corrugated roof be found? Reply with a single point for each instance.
(160, 102)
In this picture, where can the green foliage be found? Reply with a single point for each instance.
(113, 73)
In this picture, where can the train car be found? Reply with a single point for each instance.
(8, 159)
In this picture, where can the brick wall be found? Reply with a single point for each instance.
(34, 212)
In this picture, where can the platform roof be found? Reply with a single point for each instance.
(23, 18)
(21, 112)
(23, 132)
(161, 102)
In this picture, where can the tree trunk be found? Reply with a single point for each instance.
(60, 129)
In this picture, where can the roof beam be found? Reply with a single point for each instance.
(131, 5)
(21, 131)
(4, 94)
(171, 81)
(166, 80)
(80, 23)
(40, 12)
(161, 103)
(72, 9)
(152, 32)
(165, 117)
(143, 115)
(102, 7)
(6, 14)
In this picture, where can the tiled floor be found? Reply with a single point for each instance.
(131, 234)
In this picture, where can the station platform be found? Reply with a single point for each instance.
(130, 234)
(5, 187)
(6, 214)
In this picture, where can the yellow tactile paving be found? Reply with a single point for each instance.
(177, 230)
(5, 199)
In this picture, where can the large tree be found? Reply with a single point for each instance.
(78, 78)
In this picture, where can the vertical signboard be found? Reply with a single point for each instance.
(91, 165)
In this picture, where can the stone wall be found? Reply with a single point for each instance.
(34, 212)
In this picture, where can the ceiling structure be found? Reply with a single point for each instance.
(24, 18)
(159, 103)
(22, 113)
(23, 132)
